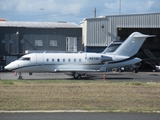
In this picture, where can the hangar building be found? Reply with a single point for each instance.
(99, 32)
(18, 37)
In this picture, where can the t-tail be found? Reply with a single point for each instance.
(132, 44)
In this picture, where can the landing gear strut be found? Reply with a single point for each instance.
(77, 76)
(20, 76)
(135, 70)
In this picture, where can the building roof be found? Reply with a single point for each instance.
(38, 24)
(120, 15)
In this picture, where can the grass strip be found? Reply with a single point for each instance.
(95, 95)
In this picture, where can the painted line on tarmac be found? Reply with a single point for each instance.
(73, 111)
(43, 111)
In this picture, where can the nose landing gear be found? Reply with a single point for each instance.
(20, 76)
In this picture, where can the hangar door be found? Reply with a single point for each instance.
(71, 44)
(152, 44)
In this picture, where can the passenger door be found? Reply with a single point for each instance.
(39, 60)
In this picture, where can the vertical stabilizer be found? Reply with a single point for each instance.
(132, 44)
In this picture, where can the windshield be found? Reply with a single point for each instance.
(25, 58)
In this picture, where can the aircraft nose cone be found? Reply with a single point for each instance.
(9, 66)
(6, 67)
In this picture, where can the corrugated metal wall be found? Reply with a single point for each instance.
(12, 43)
(101, 31)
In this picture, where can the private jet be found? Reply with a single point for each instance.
(81, 62)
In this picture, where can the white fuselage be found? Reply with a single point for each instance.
(71, 62)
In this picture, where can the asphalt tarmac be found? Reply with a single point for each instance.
(79, 116)
(115, 76)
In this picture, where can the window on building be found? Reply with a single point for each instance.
(38, 43)
(71, 44)
(53, 43)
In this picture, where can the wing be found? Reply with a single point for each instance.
(75, 70)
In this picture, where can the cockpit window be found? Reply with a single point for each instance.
(25, 58)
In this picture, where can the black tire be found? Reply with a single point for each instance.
(79, 77)
(135, 71)
(30, 73)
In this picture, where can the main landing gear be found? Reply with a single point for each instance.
(77, 76)
(30, 73)
(80, 75)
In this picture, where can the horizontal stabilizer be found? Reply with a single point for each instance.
(143, 36)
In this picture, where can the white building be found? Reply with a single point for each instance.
(99, 32)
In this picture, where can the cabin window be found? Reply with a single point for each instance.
(69, 60)
(38, 42)
(63, 60)
(74, 60)
(80, 60)
(58, 60)
(52, 60)
(47, 60)
(53, 43)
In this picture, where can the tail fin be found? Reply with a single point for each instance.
(132, 44)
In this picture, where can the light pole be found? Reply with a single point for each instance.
(18, 45)
(119, 6)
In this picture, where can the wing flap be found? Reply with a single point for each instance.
(75, 70)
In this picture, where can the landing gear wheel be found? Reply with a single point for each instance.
(30, 73)
(135, 70)
(79, 77)
(120, 70)
(20, 78)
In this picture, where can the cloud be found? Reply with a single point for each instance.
(70, 10)
(7, 5)
(128, 6)
(30, 9)
(111, 5)
(136, 6)
(35, 5)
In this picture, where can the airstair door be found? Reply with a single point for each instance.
(39, 60)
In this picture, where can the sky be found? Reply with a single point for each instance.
(72, 10)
